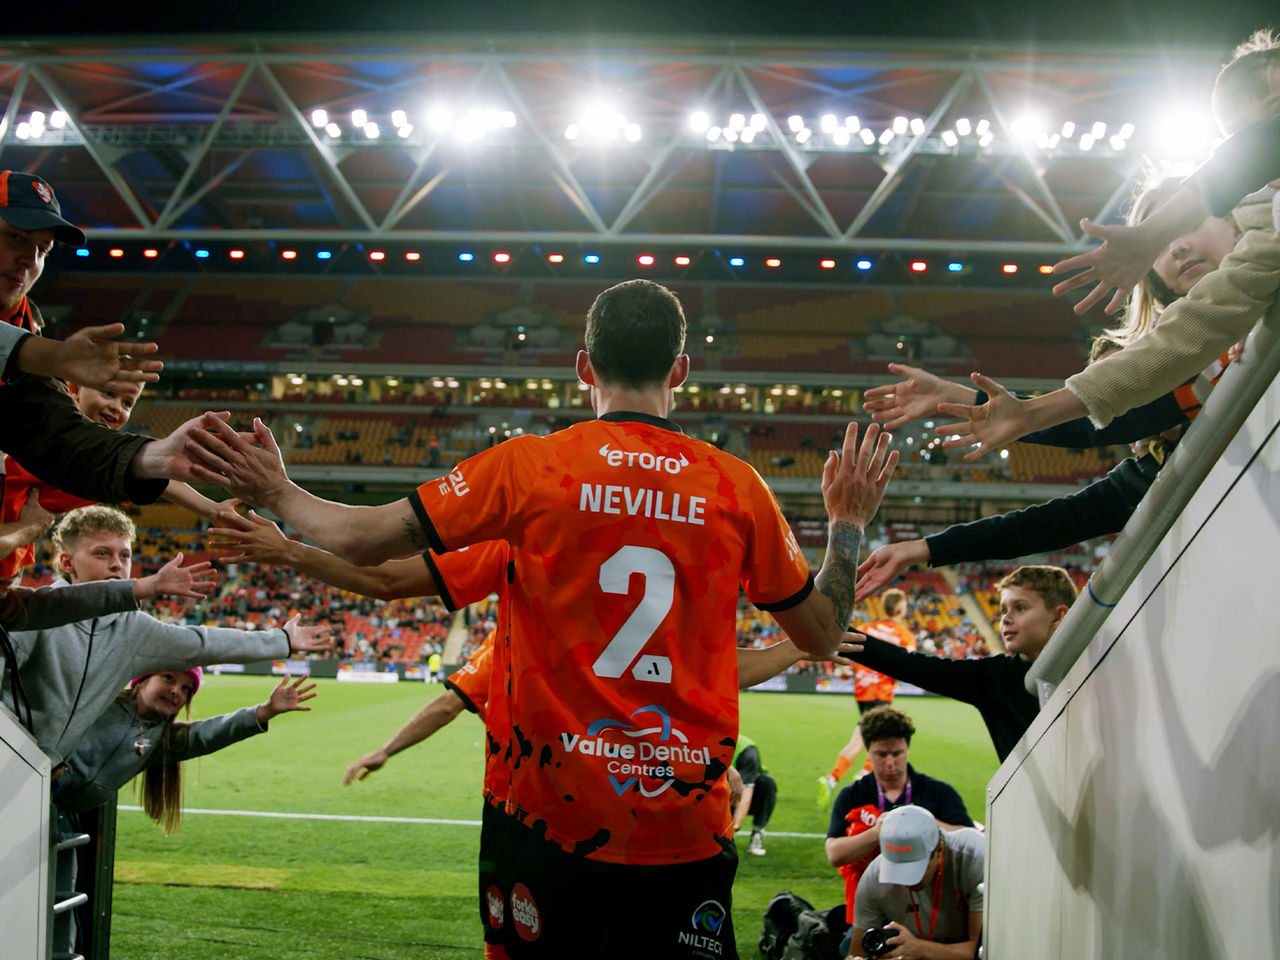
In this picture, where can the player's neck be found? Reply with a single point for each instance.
(656, 401)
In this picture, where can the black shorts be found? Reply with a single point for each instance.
(539, 901)
(865, 705)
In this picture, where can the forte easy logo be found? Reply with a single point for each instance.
(639, 756)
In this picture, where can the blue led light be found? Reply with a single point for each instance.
(955, 267)
(591, 258)
(863, 264)
(466, 257)
(736, 261)
(324, 254)
(202, 254)
(82, 251)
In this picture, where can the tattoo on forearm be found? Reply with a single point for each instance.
(839, 573)
(413, 532)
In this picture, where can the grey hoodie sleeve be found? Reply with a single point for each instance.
(49, 607)
(207, 736)
(163, 646)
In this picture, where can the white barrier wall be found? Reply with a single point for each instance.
(1140, 815)
(24, 842)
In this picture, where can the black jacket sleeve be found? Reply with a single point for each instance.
(1136, 424)
(1102, 507)
(1243, 163)
(958, 679)
(43, 430)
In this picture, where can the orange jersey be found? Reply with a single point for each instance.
(867, 683)
(18, 482)
(467, 576)
(630, 543)
(471, 680)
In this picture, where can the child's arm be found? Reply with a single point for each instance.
(914, 397)
(175, 580)
(208, 736)
(33, 523)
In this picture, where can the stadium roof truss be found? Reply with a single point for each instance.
(697, 143)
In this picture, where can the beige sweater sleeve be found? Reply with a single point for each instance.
(1220, 309)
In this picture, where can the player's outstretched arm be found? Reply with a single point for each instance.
(252, 469)
(439, 713)
(256, 539)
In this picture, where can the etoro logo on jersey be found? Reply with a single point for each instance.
(644, 758)
(645, 460)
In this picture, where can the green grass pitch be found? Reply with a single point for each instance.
(257, 888)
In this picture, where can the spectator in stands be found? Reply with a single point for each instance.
(71, 674)
(111, 409)
(1104, 506)
(870, 688)
(138, 734)
(1033, 601)
(759, 793)
(66, 451)
(1219, 310)
(853, 834)
(922, 872)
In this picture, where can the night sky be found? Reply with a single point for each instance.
(1074, 22)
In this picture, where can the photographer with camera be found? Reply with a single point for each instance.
(921, 897)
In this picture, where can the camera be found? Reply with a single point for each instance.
(874, 942)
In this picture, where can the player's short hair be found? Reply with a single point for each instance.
(84, 521)
(635, 332)
(1053, 584)
(893, 600)
(1244, 82)
(885, 723)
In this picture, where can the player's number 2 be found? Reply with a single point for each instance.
(659, 591)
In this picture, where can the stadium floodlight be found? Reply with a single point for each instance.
(868, 135)
(405, 131)
(828, 123)
(439, 119)
(986, 139)
(804, 135)
(319, 118)
(713, 134)
(631, 132)
(1027, 127)
(333, 130)
(886, 136)
(1068, 130)
(37, 123)
(983, 126)
(841, 137)
(795, 123)
(507, 119)
(758, 122)
(730, 136)
(359, 118)
(737, 122)
(1126, 131)
(571, 131)
(699, 121)
(1086, 141)
(963, 127)
(900, 125)
(1099, 130)
(58, 119)
(1185, 134)
(852, 123)
(749, 135)
(371, 130)
(399, 118)
(23, 131)
(917, 126)
(1117, 142)
(949, 138)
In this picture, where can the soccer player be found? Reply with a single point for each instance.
(630, 542)
(871, 688)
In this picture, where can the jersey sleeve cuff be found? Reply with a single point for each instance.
(794, 600)
(466, 701)
(442, 589)
(428, 528)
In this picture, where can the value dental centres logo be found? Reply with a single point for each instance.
(647, 756)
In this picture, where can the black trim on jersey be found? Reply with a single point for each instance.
(794, 600)
(428, 528)
(466, 701)
(442, 588)
(634, 416)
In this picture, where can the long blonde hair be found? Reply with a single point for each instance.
(1149, 298)
(161, 783)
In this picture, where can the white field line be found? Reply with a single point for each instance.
(277, 815)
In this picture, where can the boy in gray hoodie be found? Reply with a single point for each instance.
(71, 674)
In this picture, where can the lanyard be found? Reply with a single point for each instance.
(937, 898)
(902, 801)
